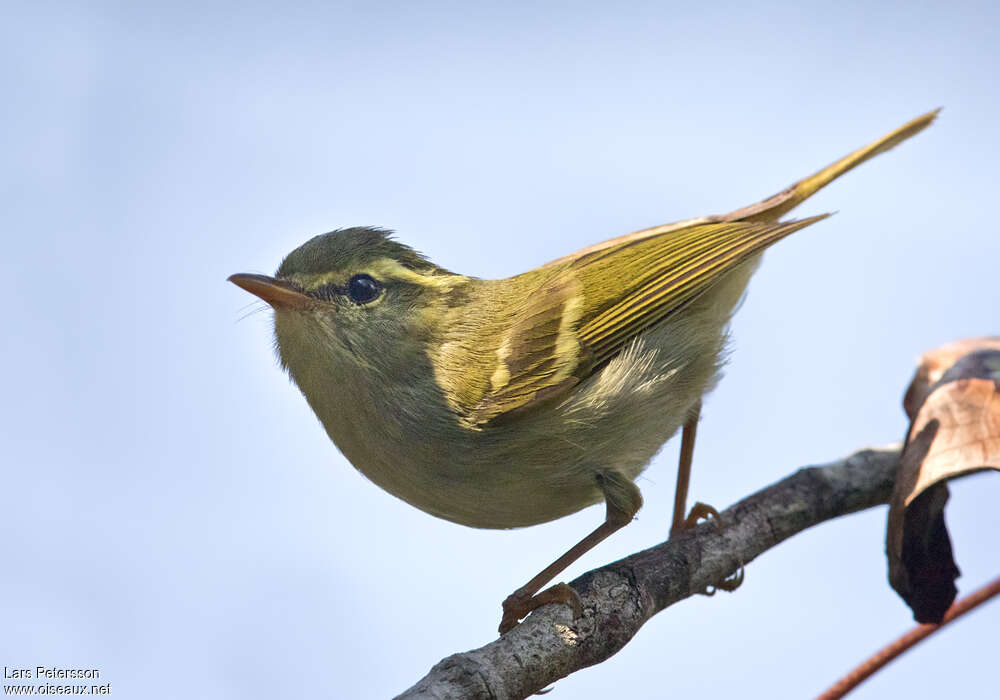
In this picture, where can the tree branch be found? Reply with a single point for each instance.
(620, 597)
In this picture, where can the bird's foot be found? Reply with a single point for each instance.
(728, 584)
(703, 512)
(519, 603)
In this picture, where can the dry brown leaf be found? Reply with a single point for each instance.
(954, 405)
(968, 436)
(935, 363)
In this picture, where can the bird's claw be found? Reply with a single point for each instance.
(728, 584)
(518, 604)
(703, 512)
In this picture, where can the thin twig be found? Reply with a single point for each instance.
(882, 657)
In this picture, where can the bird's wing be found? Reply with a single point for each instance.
(588, 305)
(587, 309)
(662, 275)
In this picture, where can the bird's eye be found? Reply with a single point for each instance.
(363, 289)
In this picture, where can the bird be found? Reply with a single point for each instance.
(512, 402)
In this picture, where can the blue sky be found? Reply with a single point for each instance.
(173, 513)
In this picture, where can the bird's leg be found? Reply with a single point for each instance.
(699, 511)
(622, 499)
(688, 434)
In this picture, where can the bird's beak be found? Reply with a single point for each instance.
(277, 293)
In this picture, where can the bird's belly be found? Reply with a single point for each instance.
(485, 479)
(545, 465)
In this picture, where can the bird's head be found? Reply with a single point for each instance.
(353, 295)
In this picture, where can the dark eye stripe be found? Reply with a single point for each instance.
(328, 291)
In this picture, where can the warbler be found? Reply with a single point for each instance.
(507, 403)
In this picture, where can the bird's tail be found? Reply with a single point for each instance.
(773, 208)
